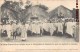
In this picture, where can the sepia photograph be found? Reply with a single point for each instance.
(38, 21)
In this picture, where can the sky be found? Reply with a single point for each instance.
(52, 4)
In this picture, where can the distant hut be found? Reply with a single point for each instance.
(60, 12)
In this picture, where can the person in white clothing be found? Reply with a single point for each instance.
(52, 28)
(37, 28)
(33, 28)
(70, 28)
(60, 27)
(24, 32)
(9, 30)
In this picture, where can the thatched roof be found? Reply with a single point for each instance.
(61, 10)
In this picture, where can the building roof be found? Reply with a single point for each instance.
(60, 10)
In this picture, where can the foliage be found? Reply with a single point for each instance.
(28, 6)
(43, 7)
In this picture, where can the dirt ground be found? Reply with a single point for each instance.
(39, 39)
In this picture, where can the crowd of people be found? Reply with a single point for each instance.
(39, 28)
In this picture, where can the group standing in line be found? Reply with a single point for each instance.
(38, 28)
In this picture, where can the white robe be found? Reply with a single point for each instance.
(49, 27)
(70, 26)
(38, 28)
(45, 26)
(52, 28)
(60, 27)
(23, 33)
(9, 30)
(27, 27)
(33, 28)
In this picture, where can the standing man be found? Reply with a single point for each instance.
(60, 27)
(70, 28)
(14, 30)
(24, 32)
(9, 30)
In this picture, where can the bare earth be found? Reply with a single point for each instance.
(40, 39)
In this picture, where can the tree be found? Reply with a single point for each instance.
(43, 7)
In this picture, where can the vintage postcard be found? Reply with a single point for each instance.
(39, 26)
